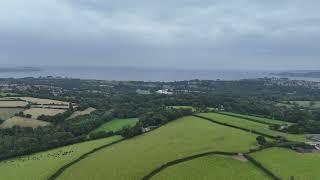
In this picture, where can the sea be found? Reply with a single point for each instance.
(141, 74)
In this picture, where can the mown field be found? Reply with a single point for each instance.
(13, 104)
(261, 119)
(81, 113)
(23, 122)
(6, 113)
(36, 112)
(136, 157)
(42, 165)
(212, 167)
(263, 128)
(116, 125)
(286, 163)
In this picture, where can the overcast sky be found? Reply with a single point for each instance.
(211, 34)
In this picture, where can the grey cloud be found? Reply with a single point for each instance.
(195, 34)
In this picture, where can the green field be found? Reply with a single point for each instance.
(42, 165)
(261, 119)
(136, 157)
(305, 104)
(116, 125)
(263, 128)
(6, 113)
(286, 163)
(212, 167)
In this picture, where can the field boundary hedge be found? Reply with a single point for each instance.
(64, 167)
(260, 166)
(236, 127)
(189, 158)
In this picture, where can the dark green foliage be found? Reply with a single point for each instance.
(261, 140)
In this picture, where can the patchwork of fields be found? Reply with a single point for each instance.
(137, 157)
(212, 167)
(116, 125)
(243, 123)
(42, 165)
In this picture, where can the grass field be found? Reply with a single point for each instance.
(51, 106)
(305, 104)
(138, 156)
(116, 124)
(13, 104)
(36, 112)
(81, 113)
(6, 113)
(23, 122)
(42, 165)
(263, 128)
(261, 119)
(212, 167)
(286, 163)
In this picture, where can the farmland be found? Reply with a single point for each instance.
(23, 122)
(81, 113)
(261, 119)
(42, 165)
(286, 163)
(116, 124)
(6, 113)
(212, 167)
(36, 112)
(12, 104)
(243, 123)
(42, 101)
(183, 137)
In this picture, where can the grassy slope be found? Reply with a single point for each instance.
(116, 124)
(267, 120)
(36, 112)
(286, 163)
(251, 125)
(6, 113)
(137, 157)
(212, 167)
(42, 165)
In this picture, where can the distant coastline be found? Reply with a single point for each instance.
(19, 69)
(305, 74)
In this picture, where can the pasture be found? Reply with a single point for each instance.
(138, 156)
(13, 104)
(23, 122)
(261, 119)
(6, 113)
(43, 164)
(36, 112)
(243, 123)
(212, 167)
(81, 113)
(286, 163)
(116, 125)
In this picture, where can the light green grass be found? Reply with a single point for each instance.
(261, 119)
(286, 163)
(135, 158)
(116, 125)
(6, 113)
(212, 167)
(263, 128)
(42, 165)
